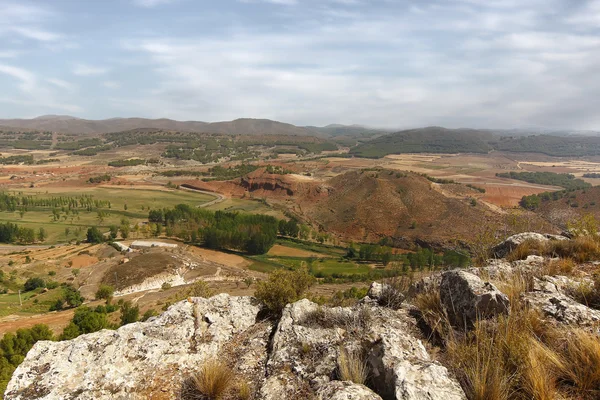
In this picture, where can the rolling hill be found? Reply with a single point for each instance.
(243, 126)
(426, 140)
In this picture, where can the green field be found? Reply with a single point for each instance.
(77, 225)
(34, 302)
(245, 205)
(318, 267)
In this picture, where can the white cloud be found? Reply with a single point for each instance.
(37, 34)
(89, 70)
(60, 83)
(26, 78)
(111, 84)
(33, 93)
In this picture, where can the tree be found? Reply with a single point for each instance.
(105, 292)
(114, 232)
(42, 234)
(283, 287)
(129, 313)
(34, 283)
(124, 231)
(94, 235)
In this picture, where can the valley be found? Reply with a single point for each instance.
(152, 216)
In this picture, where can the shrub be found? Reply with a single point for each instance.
(94, 235)
(200, 289)
(34, 283)
(283, 287)
(149, 314)
(105, 292)
(129, 313)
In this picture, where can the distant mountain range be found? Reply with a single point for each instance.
(243, 126)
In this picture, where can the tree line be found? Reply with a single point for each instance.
(567, 181)
(252, 233)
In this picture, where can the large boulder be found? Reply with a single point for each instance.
(504, 248)
(466, 298)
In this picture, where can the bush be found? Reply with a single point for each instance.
(283, 287)
(94, 235)
(129, 313)
(200, 289)
(34, 283)
(105, 292)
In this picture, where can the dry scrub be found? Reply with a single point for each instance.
(519, 356)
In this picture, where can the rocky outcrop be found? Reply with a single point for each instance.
(467, 298)
(504, 248)
(137, 359)
(296, 357)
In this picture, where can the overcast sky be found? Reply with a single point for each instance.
(388, 63)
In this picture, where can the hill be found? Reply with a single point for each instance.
(243, 126)
(561, 207)
(371, 205)
(426, 140)
(442, 140)
(560, 146)
(349, 131)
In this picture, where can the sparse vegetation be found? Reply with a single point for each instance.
(283, 287)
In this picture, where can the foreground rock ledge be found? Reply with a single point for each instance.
(280, 360)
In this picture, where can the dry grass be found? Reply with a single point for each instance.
(354, 322)
(244, 391)
(519, 356)
(580, 249)
(581, 352)
(392, 294)
(352, 367)
(433, 313)
(213, 382)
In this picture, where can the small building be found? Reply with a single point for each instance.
(122, 247)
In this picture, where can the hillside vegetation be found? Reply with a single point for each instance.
(567, 181)
(426, 140)
(441, 140)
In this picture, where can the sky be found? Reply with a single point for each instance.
(383, 63)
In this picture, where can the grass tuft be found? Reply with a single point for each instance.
(352, 367)
(213, 382)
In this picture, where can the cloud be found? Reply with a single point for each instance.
(60, 83)
(37, 34)
(151, 3)
(89, 70)
(26, 78)
(111, 84)
(33, 93)
(467, 63)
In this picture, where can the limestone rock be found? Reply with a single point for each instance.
(338, 390)
(297, 358)
(562, 308)
(401, 368)
(504, 248)
(467, 298)
(135, 359)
